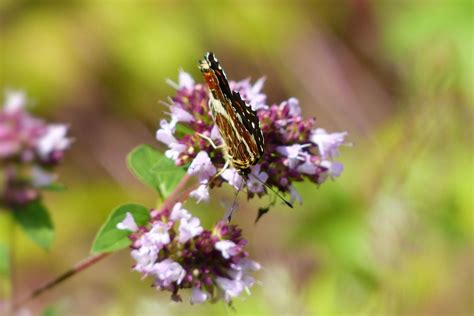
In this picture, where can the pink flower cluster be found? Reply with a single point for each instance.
(178, 253)
(29, 150)
(295, 148)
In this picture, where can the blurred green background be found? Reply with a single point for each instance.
(392, 236)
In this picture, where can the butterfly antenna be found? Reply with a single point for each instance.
(230, 211)
(275, 192)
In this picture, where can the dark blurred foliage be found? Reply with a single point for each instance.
(392, 236)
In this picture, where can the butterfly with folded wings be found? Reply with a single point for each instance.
(237, 123)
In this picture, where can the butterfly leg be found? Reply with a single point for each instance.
(226, 165)
(230, 211)
(210, 141)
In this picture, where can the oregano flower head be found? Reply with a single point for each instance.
(295, 148)
(29, 151)
(178, 253)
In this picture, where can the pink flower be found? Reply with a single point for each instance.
(328, 144)
(53, 140)
(145, 258)
(233, 177)
(228, 248)
(201, 193)
(198, 296)
(294, 153)
(128, 223)
(189, 228)
(167, 272)
(231, 288)
(181, 115)
(256, 179)
(251, 93)
(295, 196)
(179, 212)
(185, 81)
(15, 101)
(165, 133)
(294, 106)
(158, 234)
(202, 167)
(334, 169)
(308, 166)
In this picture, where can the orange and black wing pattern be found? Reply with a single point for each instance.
(237, 122)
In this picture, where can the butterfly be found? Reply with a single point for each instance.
(237, 122)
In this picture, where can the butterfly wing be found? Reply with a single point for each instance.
(238, 124)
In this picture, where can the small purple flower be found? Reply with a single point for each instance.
(165, 133)
(328, 144)
(41, 178)
(128, 223)
(159, 234)
(188, 228)
(181, 115)
(145, 258)
(198, 296)
(202, 167)
(233, 178)
(15, 101)
(251, 93)
(334, 168)
(256, 179)
(231, 287)
(309, 166)
(247, 265)
(294, 195)
(294, 153)
(201, 193)
(227, 247)
(293, 106)
(185, 81)
(167, 272)
(179, 212)
(53, 140)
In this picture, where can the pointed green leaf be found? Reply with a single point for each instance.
(51, 310)
(54, 187)
(182, 130)
(155, 169)
(4, 260)
(34, 219)
(110, 238)
(261, 211)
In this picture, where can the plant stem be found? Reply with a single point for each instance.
(175, 196)
(82, 265)
(10, 290)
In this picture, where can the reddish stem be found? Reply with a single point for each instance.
(175, 195)
(88, 262)
(82, 265)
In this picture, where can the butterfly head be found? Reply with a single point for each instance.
(208, 66)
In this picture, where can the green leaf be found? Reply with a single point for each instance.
(54, 187)
(155, 169)
(182, 130)
(261, 211)
(110, 238)
(34, 219)
(4, 260)
(50, 311)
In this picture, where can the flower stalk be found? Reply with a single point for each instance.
(177, 195)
